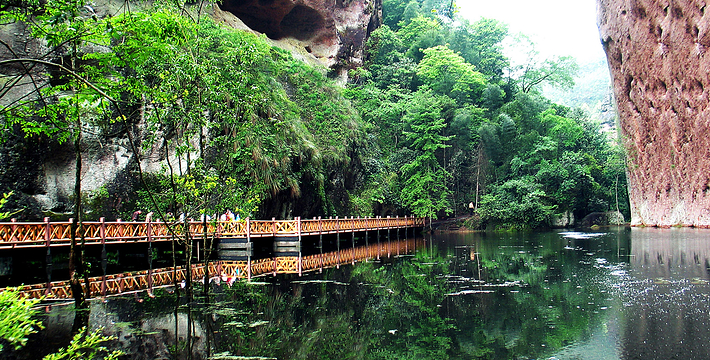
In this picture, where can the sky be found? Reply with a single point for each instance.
(557, 27)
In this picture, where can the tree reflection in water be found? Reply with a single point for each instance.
(463, 297)
(418, 307)
(368, 311)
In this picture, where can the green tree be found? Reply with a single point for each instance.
(6, 214)
(86, 346)
(557, 71)
(383, 46)
(416, 27)
(62, 109)
(516, 204)
(481, 44)
(425, 179)
(449, 74)
(411, 11)
(16, 318)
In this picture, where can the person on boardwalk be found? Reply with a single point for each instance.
(136, 214)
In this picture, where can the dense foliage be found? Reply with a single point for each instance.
(16, 322)
(436, 119)
(491, 138)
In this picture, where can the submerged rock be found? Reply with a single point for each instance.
(602, 219)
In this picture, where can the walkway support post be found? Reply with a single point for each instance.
(367, 244)
(379, 247)
(406, 240)
(48, 258)
(389, 244)
(273, 231)
(104, 255)
(300, 254)
(249, 248)
(352, 232)
(149, 235)
(337, 232)
(414, 232)
(320, 242)
(397, 229)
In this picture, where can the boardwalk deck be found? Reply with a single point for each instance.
(219, 271)
(51, 234)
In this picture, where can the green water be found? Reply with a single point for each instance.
(615, 294)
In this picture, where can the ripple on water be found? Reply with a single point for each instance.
(580, 235)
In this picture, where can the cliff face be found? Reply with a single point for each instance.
(659, 61)
(331, 31)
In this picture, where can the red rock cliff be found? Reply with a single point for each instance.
(659, 63)
(332, 31)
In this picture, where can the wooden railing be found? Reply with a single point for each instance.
(218, 271)
(43, 234)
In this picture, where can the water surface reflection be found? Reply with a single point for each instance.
(614, 294)
(666, 307)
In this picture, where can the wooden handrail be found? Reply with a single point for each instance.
(41, 234)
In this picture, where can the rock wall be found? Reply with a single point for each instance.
(333, 32)
(658, 58)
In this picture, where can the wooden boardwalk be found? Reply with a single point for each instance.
(220, 271)
(51, 234)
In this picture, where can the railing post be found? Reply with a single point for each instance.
(397, 230)
(379, 247)
(300, 255)
(367, 243)
(104, 255)
(320, 243)
(273, 233)
(397, 224)
(337, 234)
(353, 240)
(249, 247)
(14, 230)
(119, 283)
(389, 243)
(48, 258)
(406, 240)
(414, 233)
(149, 235)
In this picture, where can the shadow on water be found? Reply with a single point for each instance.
(615, 294)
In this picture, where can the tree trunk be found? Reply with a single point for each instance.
(76, 266)
(75, 261)
(478, 174)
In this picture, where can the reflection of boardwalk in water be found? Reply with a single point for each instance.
(667, 253)
(667, 298)
(222, 271)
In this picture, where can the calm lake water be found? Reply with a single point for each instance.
(614, 294)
